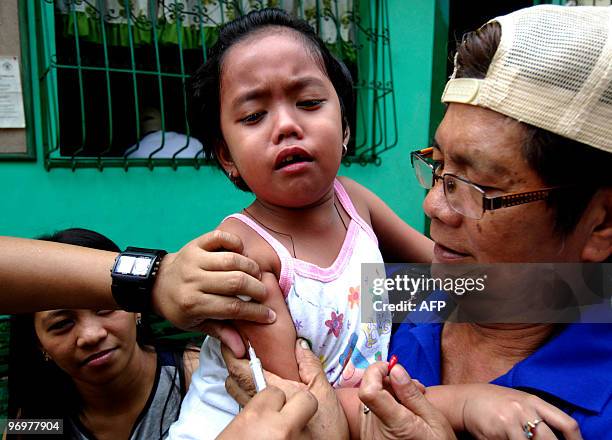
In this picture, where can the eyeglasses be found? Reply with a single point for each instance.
(463, 196)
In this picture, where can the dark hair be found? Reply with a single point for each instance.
(82, 237)
(40, 389)
(206, 82)
(557, 159)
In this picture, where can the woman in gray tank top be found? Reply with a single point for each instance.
(94, 369)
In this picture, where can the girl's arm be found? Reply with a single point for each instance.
(273, 343)
(398, 241)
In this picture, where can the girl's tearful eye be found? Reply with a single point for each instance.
(310, 104)
(252, 118)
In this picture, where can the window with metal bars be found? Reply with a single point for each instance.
(111, 75)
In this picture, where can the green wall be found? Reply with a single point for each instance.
(166, 208)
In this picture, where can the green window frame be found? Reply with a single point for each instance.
(84, 68)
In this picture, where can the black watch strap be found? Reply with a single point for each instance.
(133, 275)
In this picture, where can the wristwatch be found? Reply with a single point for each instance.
(133, 276)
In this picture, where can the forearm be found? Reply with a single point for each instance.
(407, 245)
(274, 343)
(449, 400)
(39, 275)
(349, 400)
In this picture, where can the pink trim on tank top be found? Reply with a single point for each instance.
(310, 270)
(347, 203)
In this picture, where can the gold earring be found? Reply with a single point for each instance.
(233, 176)
(46, 356)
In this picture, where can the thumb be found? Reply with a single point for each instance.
(219, 240)
(227, 334)
(408, 393)
(309, 365)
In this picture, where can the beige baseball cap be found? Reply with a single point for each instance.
(552, 69)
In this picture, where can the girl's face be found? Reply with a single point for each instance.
(280, 119)
(91, 346)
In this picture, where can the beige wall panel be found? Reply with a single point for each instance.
(11, 140)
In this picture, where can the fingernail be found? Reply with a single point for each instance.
(271, 315)
(392, 363)
(304, 344)
(400, 376)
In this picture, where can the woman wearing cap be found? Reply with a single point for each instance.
(550, 68)
(519, 172)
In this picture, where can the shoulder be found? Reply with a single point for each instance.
(255, 247)
(235, 226)
(360, 196)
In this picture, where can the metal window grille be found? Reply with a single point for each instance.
(574, 2)
(589, 2)
(111, 75)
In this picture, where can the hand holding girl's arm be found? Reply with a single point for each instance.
(195, 287)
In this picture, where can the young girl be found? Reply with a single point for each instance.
(95, 369)
(274, 106)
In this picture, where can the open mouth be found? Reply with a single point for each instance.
(291, 156)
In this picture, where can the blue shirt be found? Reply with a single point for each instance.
(572, 371)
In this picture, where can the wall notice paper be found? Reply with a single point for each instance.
(11, 98)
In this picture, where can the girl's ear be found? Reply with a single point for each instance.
(224, 156)
(347, 134)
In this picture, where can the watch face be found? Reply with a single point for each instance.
(131, 265)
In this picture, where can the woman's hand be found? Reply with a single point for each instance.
(398, 409)
(494, 412)
(329, 420)
(270, 415)
(196, 288)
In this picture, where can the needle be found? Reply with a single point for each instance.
(256, 370)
